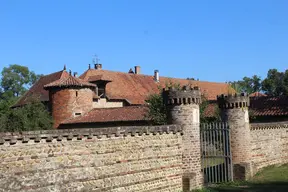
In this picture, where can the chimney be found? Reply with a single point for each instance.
(137, 70)
(98, 66)
(75, 74)
(156, 76)
(131, 71)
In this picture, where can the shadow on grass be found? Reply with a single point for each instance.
(249, 187)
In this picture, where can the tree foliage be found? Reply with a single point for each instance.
(157, 111)
(276, 83)
(15, 80)
(247, 85)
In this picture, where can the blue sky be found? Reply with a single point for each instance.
(210, 40)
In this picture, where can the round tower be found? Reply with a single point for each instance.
(69, 97)
(234, 110)
(183, 109)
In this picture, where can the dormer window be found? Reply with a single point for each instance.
(100, 83)
(101, 90)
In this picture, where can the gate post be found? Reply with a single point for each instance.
(183, 109)
(234, 110)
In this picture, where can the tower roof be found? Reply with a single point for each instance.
(68, 81)
(38, 88)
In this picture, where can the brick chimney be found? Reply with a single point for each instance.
(137, 70)
(98, 66)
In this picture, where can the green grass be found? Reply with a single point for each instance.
(209, 162)
(270, 179)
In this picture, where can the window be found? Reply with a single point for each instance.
(77, 114)
(76, 93)
(101, 92)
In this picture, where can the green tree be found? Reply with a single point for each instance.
(276, 83)
(247, 85)
(32, 116)
(157, 111)
(16, 79)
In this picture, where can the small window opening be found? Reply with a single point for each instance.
(77, 114)
(76, 93)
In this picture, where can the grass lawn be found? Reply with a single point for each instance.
(270, 179)
(208, 162)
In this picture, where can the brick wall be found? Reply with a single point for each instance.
(269, 144)
(240, 133)
(67, 102)
(105, 159)
(188, 117)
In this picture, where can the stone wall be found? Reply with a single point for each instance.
(269, 144)
(105, 159)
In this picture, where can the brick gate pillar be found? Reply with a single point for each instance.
(234, 110)
(183, 109)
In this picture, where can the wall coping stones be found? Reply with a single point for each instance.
(70, 134)
(273, 125)
(185, 95)
(233, 101)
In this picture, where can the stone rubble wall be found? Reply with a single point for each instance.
(119, 159)
(269, 144)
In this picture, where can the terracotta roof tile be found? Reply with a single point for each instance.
(257, 94)
(68, 82)
(38, 87)
(269, 106)
(129, 113)
(135, 88)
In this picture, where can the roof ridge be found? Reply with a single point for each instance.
(133, 74)
(69, 81)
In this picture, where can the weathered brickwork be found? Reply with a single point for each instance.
(269, 144)
(67, 103)
(234, 110)
(183, 108)
(112, 159)
(240, 134)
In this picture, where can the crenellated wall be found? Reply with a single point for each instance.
(269, 144)
(115, 159)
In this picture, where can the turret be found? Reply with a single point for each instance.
(183, 109)
(234, 110)
(69, 97)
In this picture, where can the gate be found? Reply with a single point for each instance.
(215, 152)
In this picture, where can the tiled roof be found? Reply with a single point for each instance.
(257, 94)
(210, 110)
(259, 106)
(129, 113)
(68, 82)
(269, 106)
(135, 88)
(38, 87)
(98, 78)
